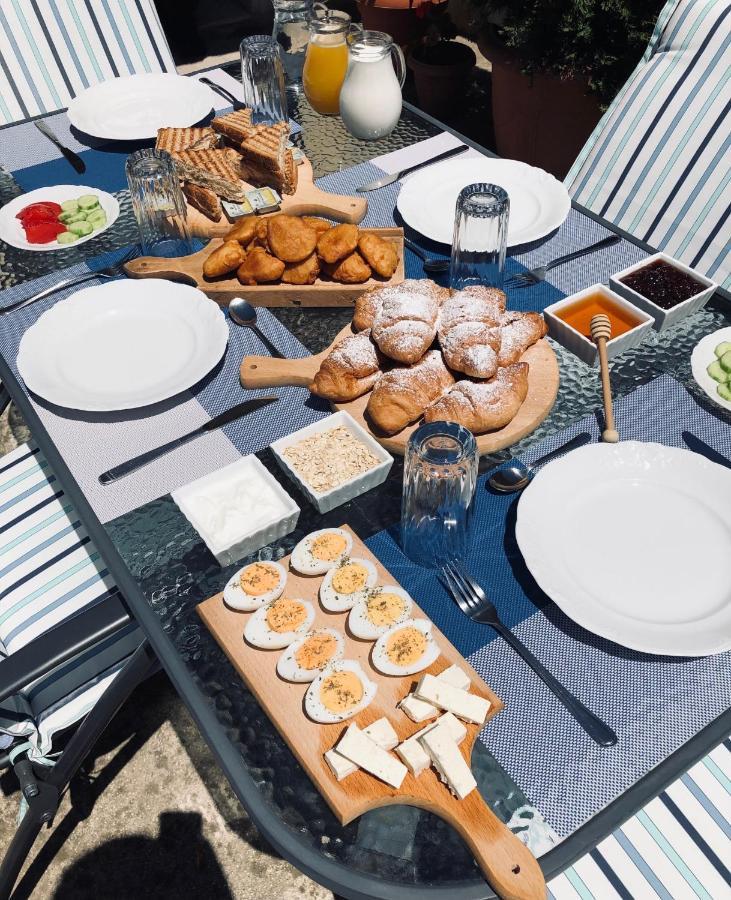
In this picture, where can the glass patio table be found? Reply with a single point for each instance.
(164, 570)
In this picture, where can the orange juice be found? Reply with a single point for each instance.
(324, 72)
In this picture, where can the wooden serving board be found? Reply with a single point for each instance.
(508, 865)
(189, 269)
(307, 200)
(543, 381)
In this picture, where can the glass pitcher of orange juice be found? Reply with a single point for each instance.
(326, 60)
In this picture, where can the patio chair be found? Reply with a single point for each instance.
(69, 651)
(51, 52)
(657, 164)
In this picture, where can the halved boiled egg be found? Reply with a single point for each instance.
(254, 585)
(309, 655)
(346, 584)
(321, 550)
(279, 623)
(405, 648)
(379, 610)
(339, 692)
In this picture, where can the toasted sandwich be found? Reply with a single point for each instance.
(204, 200)
(236, 126)
(266, 160)
(173, 140)
(212, 169)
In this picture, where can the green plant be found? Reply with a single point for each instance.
(600, 40)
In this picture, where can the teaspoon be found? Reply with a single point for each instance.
(518, 475)
(431, 264)
(244, 314)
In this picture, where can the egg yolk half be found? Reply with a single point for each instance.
(286, 615)
(384, 608)
(328, 547)
(258, 579)
(406, 646)
(316, 651)
(341, 691)
(349, 578)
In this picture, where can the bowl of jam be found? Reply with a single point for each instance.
(664, 288)
(569, 322)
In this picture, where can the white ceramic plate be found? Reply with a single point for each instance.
(122, 345)
(538, 202)
(702, 357)
(11, 231)
(132, 108)
(633, 542)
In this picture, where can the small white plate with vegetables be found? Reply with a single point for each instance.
(57, 217)
(711, 365)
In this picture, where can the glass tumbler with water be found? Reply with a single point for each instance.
(158, 204)
(480, 236)
(262, 78)
(440, 474)
(292, 32)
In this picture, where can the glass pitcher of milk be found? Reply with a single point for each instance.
(370, 98)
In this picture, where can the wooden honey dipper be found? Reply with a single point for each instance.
(601, 332)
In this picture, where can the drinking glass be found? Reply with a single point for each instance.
(262, 76)
(158, 204)
(440, 474)
(480, 236)
(292, 32)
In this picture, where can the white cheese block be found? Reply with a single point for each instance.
(420, 710)
(455, 676)
(412, 752)
(356, 746)
(448, 761)
(446, 696)
(381, 731)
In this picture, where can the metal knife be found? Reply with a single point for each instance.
(76, 161)
(223, 92)
(699, 446)
(389, 179)
(241, 409)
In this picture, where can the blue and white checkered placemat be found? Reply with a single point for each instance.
(654, 703)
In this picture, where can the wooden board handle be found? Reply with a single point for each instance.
(312, 201)
(264, 372)
(159, 267)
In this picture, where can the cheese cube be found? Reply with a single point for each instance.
(461, 703)
(420, 710)
(356, 746)
(455, 676)
(339, 765)
(381, 731)
(412, 752)
(448, 761)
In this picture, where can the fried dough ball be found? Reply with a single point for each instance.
(243, 231)
(351, 270)
(380, 255)
(337, 243)
(304, 272)
(260, 267)
(290, 239)
(224, 259)
(319, 225)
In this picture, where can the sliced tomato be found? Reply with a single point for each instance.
(43, 232)
(44, 210)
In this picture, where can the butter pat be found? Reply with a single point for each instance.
(356, 746)
(420, 710)
(413, 753)
(381, 731)
(446, 696)
(448, 761)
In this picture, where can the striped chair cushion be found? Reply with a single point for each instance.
(50, 50)
(658, 163)
(49, 572)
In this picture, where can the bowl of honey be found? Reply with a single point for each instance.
(569, 322)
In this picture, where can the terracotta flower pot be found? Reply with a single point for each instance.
(440, 75)
(399, 18)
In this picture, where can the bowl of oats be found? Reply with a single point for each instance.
(332, 460)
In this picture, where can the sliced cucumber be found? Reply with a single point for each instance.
(66, 237)
(64, 217)
(722, 348)
(97, 217)
(717, 373)
(79, 216)
(724, 390)
(725, 361)
(70, 206)
(88, 201)
(81, 228)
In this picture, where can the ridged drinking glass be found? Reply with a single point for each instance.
(158, 204)
(440, 474)
(262, 77)
(480, 236)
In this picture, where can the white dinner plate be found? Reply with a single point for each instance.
(633, 542)
(539, 203)
(133, 107)
(122, 345)
(11, 231)
(702, 357)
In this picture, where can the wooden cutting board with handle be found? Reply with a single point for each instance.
(543, 381)
(508, 865)
(307, 200)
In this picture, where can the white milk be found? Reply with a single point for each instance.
(370, 98)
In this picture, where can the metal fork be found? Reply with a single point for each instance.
(471, 599)
(526, 279)
(109, 272)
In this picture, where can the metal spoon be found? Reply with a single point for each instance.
(518, 475)
(244, 314)
(431, 264)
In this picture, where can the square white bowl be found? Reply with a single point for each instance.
(327, 500)
(584, 347)
(664, 318)
(246, 540)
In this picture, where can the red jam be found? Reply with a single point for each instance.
(663, 284)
